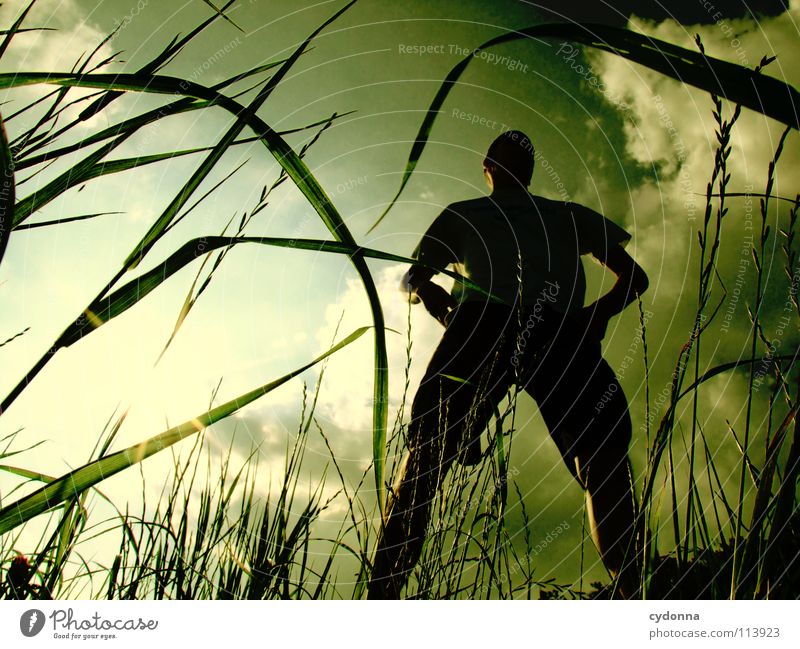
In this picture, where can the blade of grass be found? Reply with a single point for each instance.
(300, 175)
(759, 256)
(78, 481)
(6, 32)
(90, 170)
(183, 105)
(13, 337)
(32, 138)
(90, 166)
(197, 287)
(221, 147)
(26, 473)
(107, 308)
(295, 169)
(68, 219)
(755, 536)
(154, 65)
(7, 189)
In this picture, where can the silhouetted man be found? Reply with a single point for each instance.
(525, 251)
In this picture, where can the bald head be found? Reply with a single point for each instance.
(509, 161)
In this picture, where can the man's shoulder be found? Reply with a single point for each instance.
(474, 207)
(477, 204)
(564, 207)
(491, 205)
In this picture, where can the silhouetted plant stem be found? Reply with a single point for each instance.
(758, 259)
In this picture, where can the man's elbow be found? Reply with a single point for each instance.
(639, 280)
(405, 284)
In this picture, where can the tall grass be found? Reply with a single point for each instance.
(222, 537)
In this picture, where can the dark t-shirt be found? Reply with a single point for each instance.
(519, 243)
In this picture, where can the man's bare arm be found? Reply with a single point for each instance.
(415, 277)
(416, 282)
(631, 281)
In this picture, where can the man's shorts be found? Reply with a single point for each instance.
(486, 348)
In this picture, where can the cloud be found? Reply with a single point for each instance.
(672, 132)
(346, 397)
(674, 127)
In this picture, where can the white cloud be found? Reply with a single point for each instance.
(673, 129)
(674, 120)
(346, 397)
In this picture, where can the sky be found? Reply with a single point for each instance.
(640, 152)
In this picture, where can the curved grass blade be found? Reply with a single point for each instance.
(724, 367)
(295, 169)
(90, 166)
(183, 105)
(221, 147)
(115, 304)
(76, 482)
(171, 85)
(99, 104)
(660, 441)
(7, 454)
(44, 130)
(41, 100)
(795, 200)
(300, 175)
(6, 32)
(7, 189)
(87, 170)
(740, 85)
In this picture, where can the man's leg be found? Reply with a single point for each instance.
(611, 505)
(408, 510)
(443, 412)
(586, 411)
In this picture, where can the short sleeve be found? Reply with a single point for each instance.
(595, 233)
(438, 246)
